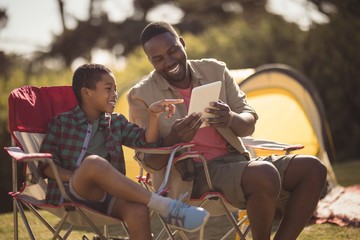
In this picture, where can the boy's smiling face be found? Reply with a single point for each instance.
(101, 99)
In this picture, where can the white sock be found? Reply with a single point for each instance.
(159, 204)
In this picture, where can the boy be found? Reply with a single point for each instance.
(87, 147)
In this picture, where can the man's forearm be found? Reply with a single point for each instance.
(242, 124)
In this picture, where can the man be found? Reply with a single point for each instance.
(259, 185)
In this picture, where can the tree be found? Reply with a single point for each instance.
(99, 32)
(331, 60)
(4, 60)
(327, 54)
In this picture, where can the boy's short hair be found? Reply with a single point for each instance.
(87, 76)
(156, 28)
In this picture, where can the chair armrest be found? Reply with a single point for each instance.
(270, 145)
(164, 150)
(174, 156)
(173, 150)
(20, 156)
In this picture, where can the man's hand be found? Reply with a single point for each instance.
(242, 124)
(222, 115)
(183, 130)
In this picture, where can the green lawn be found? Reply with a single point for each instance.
(347, 174)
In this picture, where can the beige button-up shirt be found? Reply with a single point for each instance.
(155, 87)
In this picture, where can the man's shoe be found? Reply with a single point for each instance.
(185, 217)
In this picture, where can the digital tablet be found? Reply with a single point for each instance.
(202, 96)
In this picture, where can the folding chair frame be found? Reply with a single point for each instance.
(145, 181)
(211, 196)
(27, 132)
(19, 157)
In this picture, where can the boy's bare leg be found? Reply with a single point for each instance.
(305, 179)
(96, 176)
(137, 218)
(261, 186)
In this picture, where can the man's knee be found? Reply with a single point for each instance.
(313, 167)
(261, 177)
(306, 169)
(319, 170)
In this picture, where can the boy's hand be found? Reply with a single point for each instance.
(165, 105)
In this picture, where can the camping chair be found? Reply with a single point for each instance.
(214, 202)
(30, 110)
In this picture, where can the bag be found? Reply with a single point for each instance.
(186, 169)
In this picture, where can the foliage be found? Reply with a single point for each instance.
(332, 62)
(325, 54)
(137, 66)
(242, 44)
(99, 32)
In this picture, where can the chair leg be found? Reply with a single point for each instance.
(106, 231)
(58, 229)
(182, 234)
(167, 230)
(68, 231)
(21, 211)
(46, 224)
(125, 228)
(15, 220)
(232, 220)
(201, 233)
(91, 224)
(37, 214)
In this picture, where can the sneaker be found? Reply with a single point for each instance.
(185, 217)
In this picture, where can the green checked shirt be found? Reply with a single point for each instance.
(69, 137)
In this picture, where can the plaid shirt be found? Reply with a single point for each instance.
(68, 138)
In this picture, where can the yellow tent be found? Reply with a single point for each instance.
(290, 111)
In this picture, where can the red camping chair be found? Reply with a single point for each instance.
(214, 202)
(30, 110)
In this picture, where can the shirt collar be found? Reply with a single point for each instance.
(197, 77)
(81, 118)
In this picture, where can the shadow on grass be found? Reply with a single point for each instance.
(347, 174)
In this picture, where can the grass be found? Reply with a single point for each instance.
(347, 174)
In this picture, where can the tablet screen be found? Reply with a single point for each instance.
(202, 96)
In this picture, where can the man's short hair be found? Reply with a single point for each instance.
(156, 28)
(87, 76)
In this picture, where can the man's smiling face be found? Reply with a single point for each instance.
(167, 54)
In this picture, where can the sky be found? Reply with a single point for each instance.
(33, 23)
